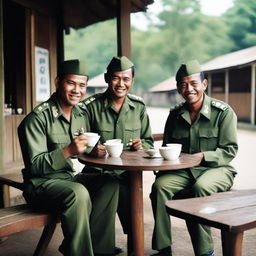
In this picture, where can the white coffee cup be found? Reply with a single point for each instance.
(114, 149)
(92, 138)
(114, 141)
(19, 111)
(171, 152)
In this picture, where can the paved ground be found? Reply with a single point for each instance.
(23, 244)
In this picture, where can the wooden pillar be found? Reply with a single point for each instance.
(1, 88)
(123, 28)
(253, 92)
(209, 84)
(226, 86)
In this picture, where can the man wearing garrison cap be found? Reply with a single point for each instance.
(116, 114)
(206, 128)
(49, 136)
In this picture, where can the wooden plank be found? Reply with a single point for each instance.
(232, 211)
(20, 218)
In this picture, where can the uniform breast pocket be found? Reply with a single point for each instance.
(106, 133)
(208, 139)
(58, 141)
(132, 132)
(182, 137)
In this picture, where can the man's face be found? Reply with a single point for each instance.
(119, 83)
(192, 88)
(71, 89)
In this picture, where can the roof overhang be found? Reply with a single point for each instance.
(82, 13)
(231, 60)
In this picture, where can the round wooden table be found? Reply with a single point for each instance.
(136, 162)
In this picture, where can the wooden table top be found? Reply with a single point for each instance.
(139, 161)
(234, 210)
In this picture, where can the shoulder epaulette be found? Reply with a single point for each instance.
(135, 97)
(92, 98)
(177, 106)
(81, 105)
(41, 107)
(219, 104)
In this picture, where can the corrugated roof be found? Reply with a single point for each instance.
(167, 85)
(97, 81)
(232, 59)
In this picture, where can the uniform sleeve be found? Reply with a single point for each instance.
(146, 135)
(227, 141)
(37, 158)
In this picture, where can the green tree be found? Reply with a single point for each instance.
(95, 44)
(242, 21)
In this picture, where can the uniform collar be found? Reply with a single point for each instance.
(205, 110)
(107, 102)
(57, 111)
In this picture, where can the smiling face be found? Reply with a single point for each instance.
(71, 89)
(119, 83)
(192, 89)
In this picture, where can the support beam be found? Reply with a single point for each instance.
(226, 86)
(1, 87)
(209, 84)
(253, 92)
(123, 28)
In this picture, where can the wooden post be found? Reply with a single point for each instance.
(137, 212)
(1, 88)
(124, 28)
(226, 86)
(253, 91)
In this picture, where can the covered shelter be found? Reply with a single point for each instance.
(231, 78)
(96, 84)
(31, 48)
(164, 94)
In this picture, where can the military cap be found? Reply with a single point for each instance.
(119, 64)
(187, 69)
(74, 67)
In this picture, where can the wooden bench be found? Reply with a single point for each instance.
(232, 212)
(23, 217)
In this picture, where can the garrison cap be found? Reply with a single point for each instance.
(74, 67)
(187, 69)
(119, 64)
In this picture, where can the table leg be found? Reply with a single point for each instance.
(231, 243)
(137, 212)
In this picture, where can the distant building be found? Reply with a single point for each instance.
(96, 85)
(164, 94)
(231, 78)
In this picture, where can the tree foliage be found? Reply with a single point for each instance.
(183, 33)
(242, 22)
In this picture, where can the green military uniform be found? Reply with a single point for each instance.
(214, 134)
(50, 181)
(130, 123)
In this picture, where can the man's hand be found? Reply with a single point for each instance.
(135, 144)
(76, 147)
(98, 151)
(200, 155)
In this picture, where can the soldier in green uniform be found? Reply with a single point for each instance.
(116, 114)
(206, 128)
(49, 136)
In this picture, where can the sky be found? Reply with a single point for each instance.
(209, 7)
